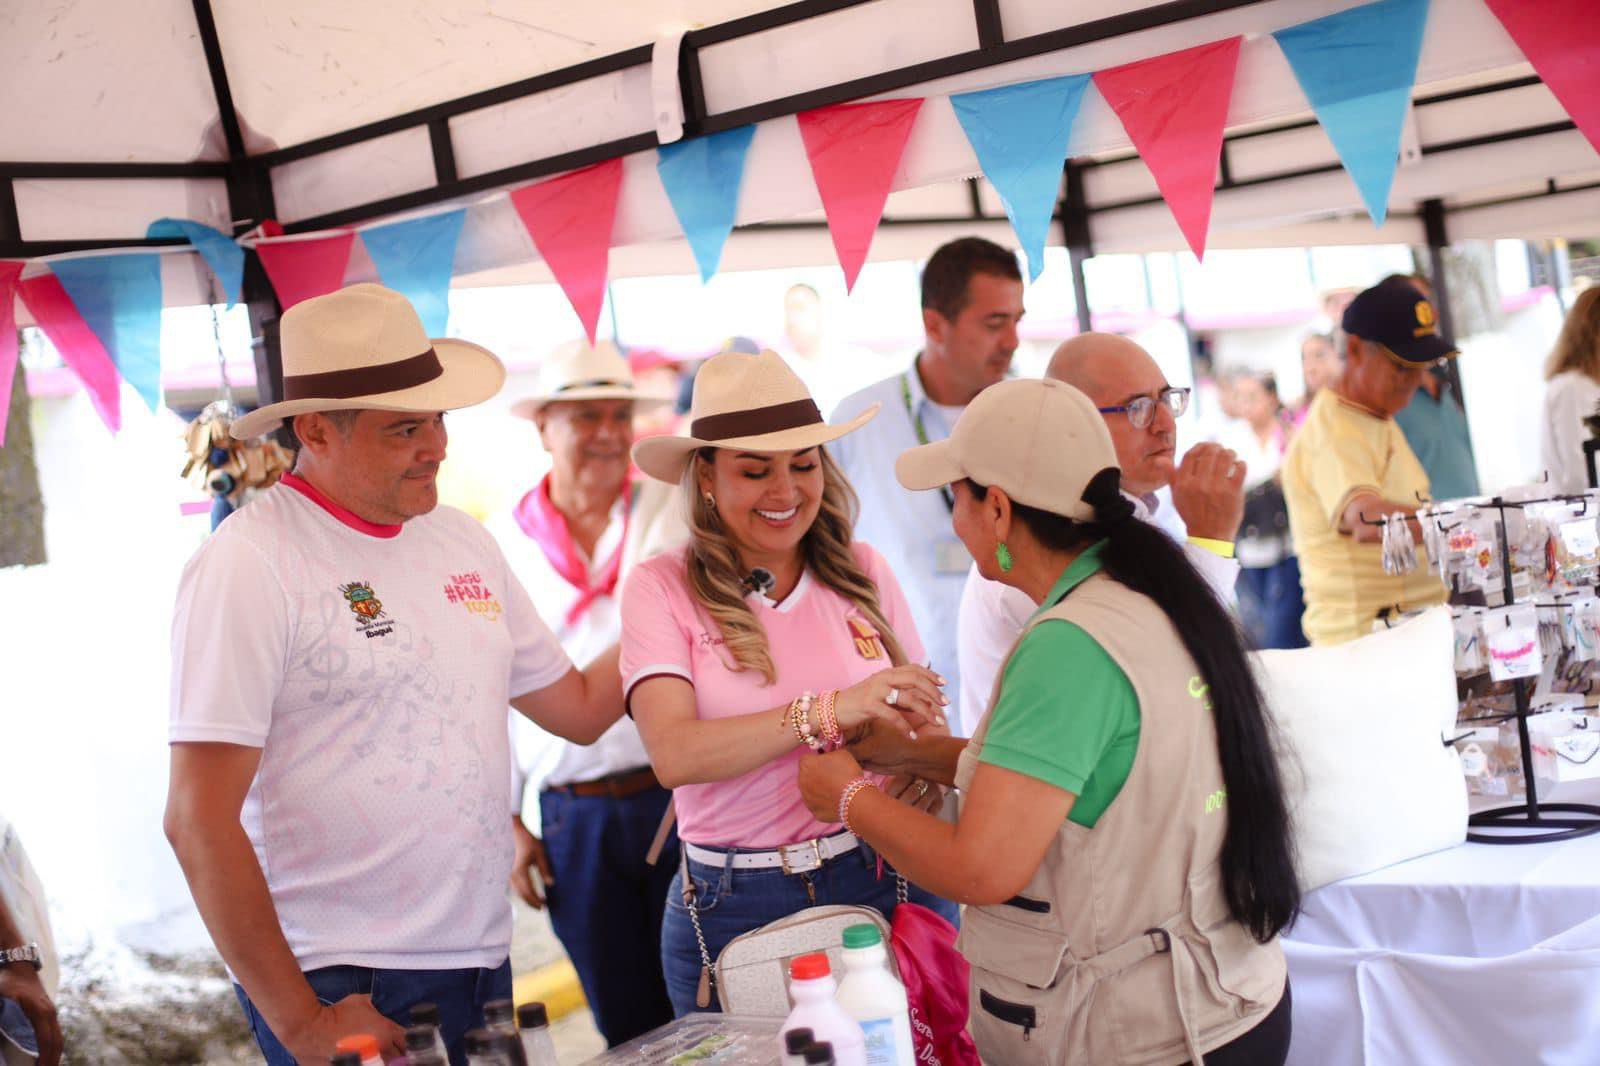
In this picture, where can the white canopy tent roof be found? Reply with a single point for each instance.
(371, 109)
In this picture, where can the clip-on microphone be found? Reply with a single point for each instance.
(760, 580)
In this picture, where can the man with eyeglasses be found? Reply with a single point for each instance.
(1141, 410)
(1350, 465)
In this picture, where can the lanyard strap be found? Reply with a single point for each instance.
(922, 434)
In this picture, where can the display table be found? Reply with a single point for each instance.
(703, 1040)
(1482, 953)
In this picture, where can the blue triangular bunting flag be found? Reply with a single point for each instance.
(416, 258)
(119, 297)
(222, 255)
(1020, 135)
(1357, 68)
(702, 178)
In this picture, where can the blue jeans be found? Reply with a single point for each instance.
(605, 902)
(1271, 603)
(733, 901)
(459, 994)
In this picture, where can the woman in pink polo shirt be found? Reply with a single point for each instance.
(768, 634)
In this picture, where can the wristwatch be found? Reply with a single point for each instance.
(26, 953)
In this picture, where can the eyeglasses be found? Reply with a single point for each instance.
(1141, 409)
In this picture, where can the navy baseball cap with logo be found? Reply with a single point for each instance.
(1398, 317)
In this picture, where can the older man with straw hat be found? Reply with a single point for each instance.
(343, 653)
(569, 540)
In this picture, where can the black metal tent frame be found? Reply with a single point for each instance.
(249, 184)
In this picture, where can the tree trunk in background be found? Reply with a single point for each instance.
(21, 505)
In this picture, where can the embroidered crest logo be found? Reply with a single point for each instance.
(367, 608)
(363, 601)
(1426, 320)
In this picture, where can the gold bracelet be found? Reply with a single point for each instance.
(1223, 548)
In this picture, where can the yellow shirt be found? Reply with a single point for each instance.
(1342, 450)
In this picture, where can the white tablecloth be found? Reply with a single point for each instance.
(1480, 954)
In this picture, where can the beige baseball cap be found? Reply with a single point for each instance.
(1041, 441)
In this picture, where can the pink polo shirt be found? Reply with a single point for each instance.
(665, 632)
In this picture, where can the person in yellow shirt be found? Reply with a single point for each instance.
(1350, 464)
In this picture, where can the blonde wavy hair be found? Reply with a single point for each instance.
(1578, 347)
(716, 576)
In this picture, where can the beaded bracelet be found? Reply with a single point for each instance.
(828, 719)
(800, 717)
(849, 794)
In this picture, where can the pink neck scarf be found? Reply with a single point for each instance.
(537, 515)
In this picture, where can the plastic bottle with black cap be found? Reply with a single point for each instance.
(426, 1013)
(538, 1048)
(488, 1048)
(500, 1016)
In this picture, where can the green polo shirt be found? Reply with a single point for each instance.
(1066, 713)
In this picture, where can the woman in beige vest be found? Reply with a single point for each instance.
(1123, 844)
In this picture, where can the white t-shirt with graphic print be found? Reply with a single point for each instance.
(372, 665)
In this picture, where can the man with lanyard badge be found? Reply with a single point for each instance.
(971, 305)
(591, 811)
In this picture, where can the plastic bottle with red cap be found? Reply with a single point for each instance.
(812, 988)
(363, 1045)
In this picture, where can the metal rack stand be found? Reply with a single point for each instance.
(1528, 822)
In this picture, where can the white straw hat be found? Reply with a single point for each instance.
(749, 403)
(364, 347)
(581, 371)
(1041, 441)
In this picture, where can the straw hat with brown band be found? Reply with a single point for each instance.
(747, 403)
(364, 347)
(583, 371)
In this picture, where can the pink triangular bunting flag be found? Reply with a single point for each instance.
(1174, 108)
(855, 150)
(10, 271)
(301, 269)
(1561, 38)
(58, 316)
(570, 219)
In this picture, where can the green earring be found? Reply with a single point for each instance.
(1002, 555)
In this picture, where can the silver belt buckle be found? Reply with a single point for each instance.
(816, 847)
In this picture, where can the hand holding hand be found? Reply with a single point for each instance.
(1208, 492)
(822, 780)
(905, 697)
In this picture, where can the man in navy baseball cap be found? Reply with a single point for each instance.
(1350, 466)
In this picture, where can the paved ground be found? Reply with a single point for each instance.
(534, 944)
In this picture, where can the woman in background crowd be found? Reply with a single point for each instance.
(1320, 365)
(1270, 602)
(1571, 395)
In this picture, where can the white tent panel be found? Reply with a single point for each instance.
(855, 42)
(63, 209)
(103, 82)
(559, 120)
(1549, 217)
(391, 165)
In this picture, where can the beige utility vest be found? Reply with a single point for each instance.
(1121, 948)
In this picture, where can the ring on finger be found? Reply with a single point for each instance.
(893, 698)
(922, 789)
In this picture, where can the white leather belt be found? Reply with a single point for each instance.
(798, 858)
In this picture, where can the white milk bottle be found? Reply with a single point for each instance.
(812, 988)
(872, 996)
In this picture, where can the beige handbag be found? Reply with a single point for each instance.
(753, 969)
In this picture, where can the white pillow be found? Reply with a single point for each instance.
(1362, 725)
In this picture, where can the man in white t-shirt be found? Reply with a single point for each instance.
(1141, 411)
(971, 305)
(570, 540)
(343, 654)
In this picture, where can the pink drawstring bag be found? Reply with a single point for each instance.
(936, 976)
